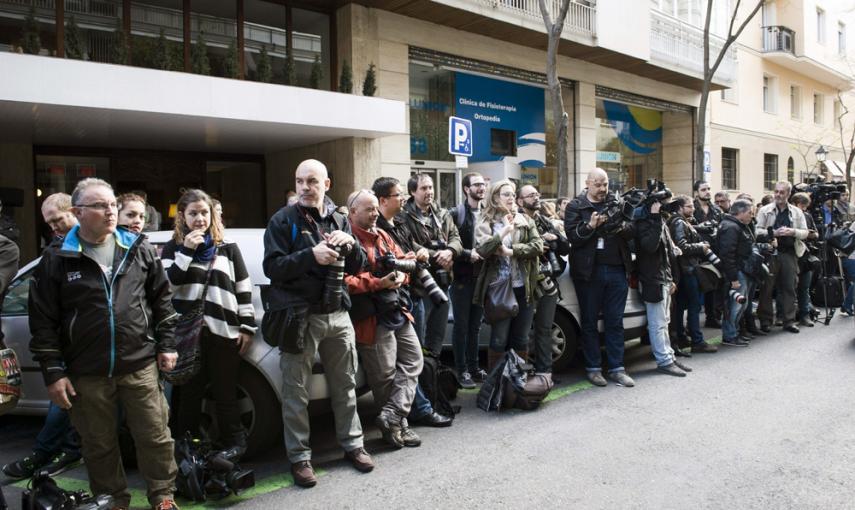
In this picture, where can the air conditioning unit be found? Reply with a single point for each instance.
(787, 42)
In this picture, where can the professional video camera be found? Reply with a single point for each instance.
(443, 279)
(419, 270)
(205, 473)
(656, 192)
(333, 288)
(618, 210)
(44, 494)
(707, 229)
(821, 191)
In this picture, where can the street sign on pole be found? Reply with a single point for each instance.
(459, 136)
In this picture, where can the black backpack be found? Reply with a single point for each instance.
(439, 384)
(513, 384)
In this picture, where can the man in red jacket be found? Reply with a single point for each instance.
(387, 343)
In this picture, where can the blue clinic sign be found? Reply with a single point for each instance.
(496, 104)
(459, 136)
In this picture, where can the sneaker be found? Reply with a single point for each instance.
(621, 379)
(846, 312)
(303, 474)
(166, 504)
(390, 430)
(479, 375)
(704, 347)
(671, 369)
(682, 367)
(466, 381)
(597, 378)
(410, 438)
(26, 467)
(735, 342)
(63, 462)
(360, 459)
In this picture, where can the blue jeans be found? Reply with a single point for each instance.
(467, 326)
(689, 300)
(57, 434)
(419, 318)
(513, 333)
(657, 328)
(421, 405)
(605, 292)
(849, 269)
(733, 311)
(803, 293)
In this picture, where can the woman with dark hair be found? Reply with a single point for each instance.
(198, 254)
(131, 212)
(510, 245)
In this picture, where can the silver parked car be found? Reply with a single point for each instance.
(259, 381)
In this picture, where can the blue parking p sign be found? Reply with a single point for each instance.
(459, 136)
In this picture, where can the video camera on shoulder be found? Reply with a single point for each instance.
(44, 494)
(821, 191)
(656, 192)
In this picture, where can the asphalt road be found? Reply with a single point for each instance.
(768, 426)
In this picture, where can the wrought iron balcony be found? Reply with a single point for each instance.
(777, 38)
(581, 16)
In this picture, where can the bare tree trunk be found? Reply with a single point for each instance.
(559, 115)
(848, 155)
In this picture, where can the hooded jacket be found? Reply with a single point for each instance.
(84, 324)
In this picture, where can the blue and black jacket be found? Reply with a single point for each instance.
(85, 324)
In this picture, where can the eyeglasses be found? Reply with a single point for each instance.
(532, 195)
(104, 206)
(508, 194)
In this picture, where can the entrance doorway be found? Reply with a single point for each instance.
(446, 183)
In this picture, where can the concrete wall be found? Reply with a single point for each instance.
(18, 172)
(677, 157)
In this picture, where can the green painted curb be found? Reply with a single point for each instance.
(557, 393)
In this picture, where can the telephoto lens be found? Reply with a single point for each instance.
(736, 296)
(429, 284)
(713, 258)
(334, 284)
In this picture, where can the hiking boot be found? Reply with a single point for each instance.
(26, 467)
(735, 342)
(62, 462)
(434, 419)
(479, 375)
(303, 474)
(704, 347)
(804, 321)
(621, 379)
(166, 504)
(682, 367)
(410, 438)
(466, 381)
(360, 459)
(671, 369)
(792, 328)
(597, 378)
(391, 431)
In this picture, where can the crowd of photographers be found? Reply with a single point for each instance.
(372, 282)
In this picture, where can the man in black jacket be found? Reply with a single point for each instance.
(307, 249)
(735, 244)
(600, 262)
(554, 243)
(88, 306)
(706, 211)
(467, 315)
(695, 251)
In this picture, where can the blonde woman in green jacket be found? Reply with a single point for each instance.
(510, 246)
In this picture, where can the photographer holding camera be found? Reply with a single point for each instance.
(695, 250)
(600, 263)
(708, 216)
(307, 249)
(552, 264)
(385, 337)
(807, 262)
(735, 247)
(790, 230)
(431, 228)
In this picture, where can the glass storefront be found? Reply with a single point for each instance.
(629, 143)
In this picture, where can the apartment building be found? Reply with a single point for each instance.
(794, 69)
(159, 95)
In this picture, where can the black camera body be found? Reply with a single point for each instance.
(656, 192)
(44, 494)
(707, 229)
(821, 191)
(388, 263)
(442, 277)
(204, 473)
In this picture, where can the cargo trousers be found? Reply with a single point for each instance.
(392, 365)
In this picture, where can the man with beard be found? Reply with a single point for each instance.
(554, 243)
(467, 315)
(706, 211)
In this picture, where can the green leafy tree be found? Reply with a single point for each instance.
(290, 71)
(317, 73)
(121, 49)
(231, 64)
(199, 62)
(161, 57)
(345, 82)
(73, 40)
(30, 41)
(263, 69)
(369, 86)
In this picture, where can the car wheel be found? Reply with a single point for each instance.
(260, 412)
(565, 342)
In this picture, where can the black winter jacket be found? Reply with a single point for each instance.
(83, 324)
(464, 269)
(735, 242)
(545, 226)
(583, 240)
(296, 278)
(654, 256)
(690, 243)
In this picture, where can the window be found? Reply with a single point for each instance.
(818, 107)
(729, 168)
(770, 171)
(841, 39)
(795, 102)
(820, 26)
(791, 169)
(503, 142)
(730, 95)
(769, 90)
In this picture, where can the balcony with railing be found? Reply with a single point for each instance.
(581, 17)
(677, 45)
(777, 38)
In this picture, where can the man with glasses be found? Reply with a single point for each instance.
(722, 200)
(91, 338)
(552, 264)
(467, 315)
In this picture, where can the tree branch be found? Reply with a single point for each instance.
(547, 19)
(731, 37)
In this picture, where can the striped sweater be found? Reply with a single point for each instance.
(228, 302)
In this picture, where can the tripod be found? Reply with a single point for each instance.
(824, 279)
